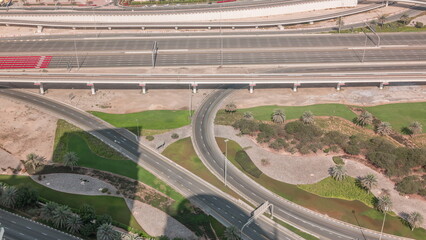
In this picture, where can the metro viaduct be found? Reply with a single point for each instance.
(193, 81)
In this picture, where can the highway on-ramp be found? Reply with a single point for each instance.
(214, 202)
(207, 149)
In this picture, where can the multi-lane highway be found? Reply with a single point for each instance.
(225, 208)
(228, 50)
(19, 228)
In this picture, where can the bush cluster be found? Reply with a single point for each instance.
(296, 136)
(245, 162)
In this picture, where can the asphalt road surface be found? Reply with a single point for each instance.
(207, 149)
(83, 44)
(240, 58)
(19, 228)
(210, 199)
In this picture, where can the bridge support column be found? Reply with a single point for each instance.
(176, 28)
(295, 87)
(233, 28)
(7, 25)
(257, 27)
(311, 22)
(339, 85)
(387, 3)
(209, 28)
(383, 84)
(143, 85)
(41, 87)
(92, 88)
(39, 29)
(252, 85)
(280, 27)
(109, 28)
(194, 87)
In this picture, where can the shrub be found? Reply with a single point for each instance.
(302, 132)
(175, 136)
(419, 25)
(338, 160)
(26, 197)
(278, 144)
(408, 185)
(327, 150)
(104, 190)
(265, 162)
(149, 138)
(352, 149)
(246, 126)
(245, 162)
(335, 138)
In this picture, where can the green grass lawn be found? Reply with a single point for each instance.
(345, 189)
(152, 120)
(354, 212)
(72, 140)
(182, 152)
(264, 113)
(114, 206)
(400, 115)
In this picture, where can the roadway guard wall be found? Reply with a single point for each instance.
(213, 15)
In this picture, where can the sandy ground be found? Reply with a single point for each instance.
(24, 129)
(157, 223)
(9, 164)
(286, 168)
(350, 95)
(127, 101)
(154, 221)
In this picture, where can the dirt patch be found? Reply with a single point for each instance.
(24, 129)
(128, 101)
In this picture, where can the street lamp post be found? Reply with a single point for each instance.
(383, 224)
(226, 160)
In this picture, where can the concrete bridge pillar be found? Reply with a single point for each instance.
(387, 3)
(92, 88)
(209, 28)
(194, 87)
(39, 29)
(176, 28)
(109, 28)
(295, 87)
(252, 85)
(311, 22)
(41, 87)
(143, 28)
(143, 85)
(280, 27)
(339, 85)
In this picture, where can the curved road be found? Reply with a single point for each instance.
(205, 144)
(213, 201)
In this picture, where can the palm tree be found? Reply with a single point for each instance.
(404, 18)
(338, 172)
(106, 232)
(415, 219)
(35, 160)
(308, 117)
(278, 116)
(365, 118)
(74, 223)
(232, 233)
(369, 181)
(384, 128)
(415, 127)
(230, 108)
(248, 115)
(384, 205)
(61, 215)
(70, 159)
(9, 196)
(382, 20)
(47, 210)
(340, 23)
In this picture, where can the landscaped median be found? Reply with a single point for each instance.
(96, 155)
(354, 212)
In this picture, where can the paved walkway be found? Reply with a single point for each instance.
(287, 168)
(166, 138)
(154, 221)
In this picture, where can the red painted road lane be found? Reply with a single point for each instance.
(16, 62)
